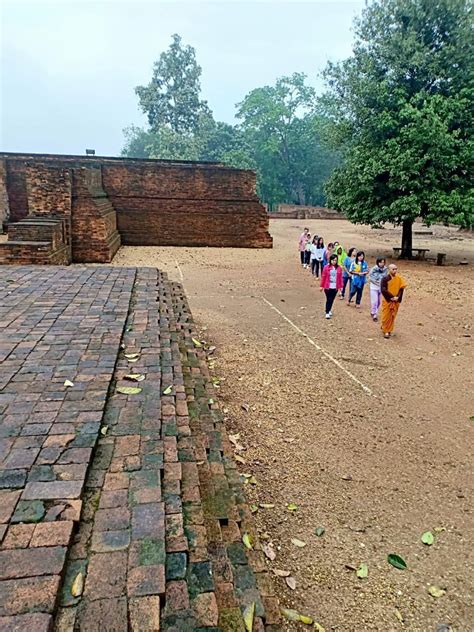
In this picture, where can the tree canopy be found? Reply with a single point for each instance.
(401, 113)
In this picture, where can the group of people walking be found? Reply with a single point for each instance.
(347, 273)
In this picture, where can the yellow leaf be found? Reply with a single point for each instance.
(399, 615)
(436, 592)
(318, 627)
(68, 383)
(292, 507)
(103, 430)
(77, 585)
(240, 459)
(196, 343)
(298, 543)
(132, 356)
(249, 614)
(254, 508)
(247, 540)
(305, 619)
(291, 615)
(134, 377)
(129, 390)
(168, 390)
(267, 505)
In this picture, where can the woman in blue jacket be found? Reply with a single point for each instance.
(359, 270)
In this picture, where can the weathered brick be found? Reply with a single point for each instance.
(16, 563)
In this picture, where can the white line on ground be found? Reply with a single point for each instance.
(315, 344)
(181, 275)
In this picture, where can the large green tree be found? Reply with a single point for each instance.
(401, 111)
(172, 98)
(283, 136)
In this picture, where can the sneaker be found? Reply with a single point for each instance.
(387, 335)
(330, 313)
(341, 298)
(328, 316)
(374, 318)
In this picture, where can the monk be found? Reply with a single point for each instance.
(392, 287)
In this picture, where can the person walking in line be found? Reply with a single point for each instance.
(392, 287)
(331, 282)
(359, 270)
(307, 251)
(327, 253)
(313, 259)
(375, 277)
(302, 245)
(346, 271)
(318, 256)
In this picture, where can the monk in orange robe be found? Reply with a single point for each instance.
(392, 287)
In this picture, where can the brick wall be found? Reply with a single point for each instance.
(48, 190)
(4, 207)
(157, 203)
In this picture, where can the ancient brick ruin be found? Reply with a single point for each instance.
(63, 209)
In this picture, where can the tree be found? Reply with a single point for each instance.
(401, 113)
(282, 133)
(172, 98)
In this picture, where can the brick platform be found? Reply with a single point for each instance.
(117, 511)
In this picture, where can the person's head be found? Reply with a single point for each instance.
(315, 240)
(336, 244)
(339, 250)
(330, 246)
(306, 231)
(320, 242)
(352, 252)
(392, 269)
(360, 256)
(308, 236)
(381, 262)
(333, 260)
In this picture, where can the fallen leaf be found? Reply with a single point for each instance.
(436, 592)
(362, 571)
(427, 538)
(291, 582)
(245, 407)
(129, 390)
(291, 615)
(77, 585)
(247, 540)
(399, 615)
(68, 383)
(305, 619)
(439, 529)
(318, 627)
(196, 343)
(103, 430)
(210, 401)
(319, 531)
(254, 508)
(292, 507)
(396, 561)
(249, 614)
(267, 505)
(211, 350)
(269, 552)
(134, 377)
(132, 356)
(168, 390)
(215, 380)
(251, 481)
(298, 543)
(240, 459)
(280, 573)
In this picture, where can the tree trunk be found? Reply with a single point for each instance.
(407, 239)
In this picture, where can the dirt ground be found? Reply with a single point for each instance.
(374, 469)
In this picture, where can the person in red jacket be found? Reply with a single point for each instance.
(331, 282)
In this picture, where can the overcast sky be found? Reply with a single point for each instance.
(69, 69)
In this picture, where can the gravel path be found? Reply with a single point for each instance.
(376, 469)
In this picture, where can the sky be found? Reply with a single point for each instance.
(69, 68)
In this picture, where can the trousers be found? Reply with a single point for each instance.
(330, 296)
(375, 300)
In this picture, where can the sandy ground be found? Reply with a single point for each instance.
(375, 469)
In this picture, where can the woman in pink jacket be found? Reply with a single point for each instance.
(331, 283)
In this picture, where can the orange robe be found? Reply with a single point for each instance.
(390, 308)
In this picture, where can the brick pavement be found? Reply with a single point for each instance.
(118, 511)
